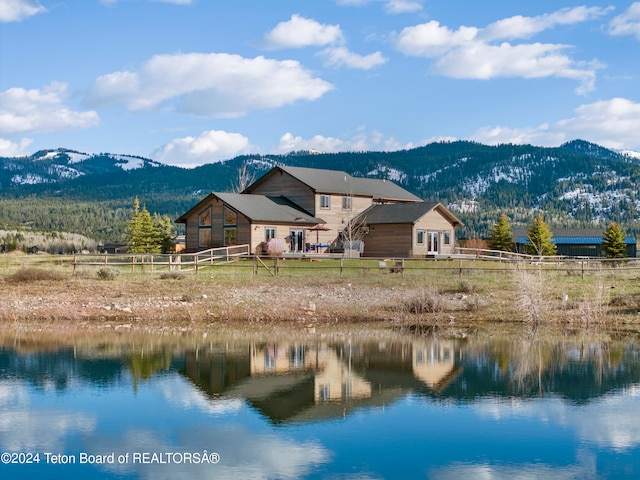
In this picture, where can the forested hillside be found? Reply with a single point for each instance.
(577, 184)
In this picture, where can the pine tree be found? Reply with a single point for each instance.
(613, 244)
(166, 231)
(501, 235)
(540, 239)
(141, 234)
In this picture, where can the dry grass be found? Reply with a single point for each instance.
(52, 295)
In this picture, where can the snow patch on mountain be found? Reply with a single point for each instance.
(28, 179)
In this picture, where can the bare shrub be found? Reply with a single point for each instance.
(594, 307)
(172, 276)
(107, 274)
(531, 293)
(427, 301)
(465, 286)
(276, 247)
(32, 274)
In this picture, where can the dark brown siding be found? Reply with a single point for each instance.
(280, 183)
(388, 241)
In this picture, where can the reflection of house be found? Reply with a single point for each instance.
(287, 201)
(574, 242)
(305, 382)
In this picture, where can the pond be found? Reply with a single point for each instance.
(343, 406)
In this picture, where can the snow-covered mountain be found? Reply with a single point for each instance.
(50, 166)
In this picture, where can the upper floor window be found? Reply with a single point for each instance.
(230, 217)
(346, 203)
(325, 202)
(204, 219)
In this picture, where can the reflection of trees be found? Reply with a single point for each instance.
(144, 364)
(579, 368)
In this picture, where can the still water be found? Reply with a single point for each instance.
(321, 407)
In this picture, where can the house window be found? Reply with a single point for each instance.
(204, 228)
(447, 238)
(204, 237)
(346, 203)
(204, 219)
(269, 233)
(325, 202)
(420, 237)
(230, 217)
(230, 234)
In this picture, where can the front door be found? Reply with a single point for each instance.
(433, 240)
(296, 240)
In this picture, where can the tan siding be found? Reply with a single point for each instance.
(337, 218)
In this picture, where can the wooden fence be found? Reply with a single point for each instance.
(157, 262)
(465, 260)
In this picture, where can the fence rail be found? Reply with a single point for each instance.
(465, 260)
(158, 262)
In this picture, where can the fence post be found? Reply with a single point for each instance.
(275, 266)
(255, 264)
(195, 262)
(341, 265)
(402, 268)
(133, 263)
(582, 276)
(74, 262)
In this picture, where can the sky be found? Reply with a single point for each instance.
(189, 82)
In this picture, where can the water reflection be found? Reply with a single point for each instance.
(316, 407)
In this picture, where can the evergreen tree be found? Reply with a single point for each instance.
(540, 236)
(166, 231)
(501, 235)
(613, 245)
(141, 234)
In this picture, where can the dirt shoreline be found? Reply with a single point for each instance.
(145, 304)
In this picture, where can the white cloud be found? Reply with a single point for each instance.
(627, 23)
(475, 53)
(374, 141)
(612, 123)
(209, 85)
(341, 56)
(16, 10)
(11, 149)
(35, 110)
(209, 147)
(299, 32)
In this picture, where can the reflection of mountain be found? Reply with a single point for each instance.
(60, 368)
(291, 382)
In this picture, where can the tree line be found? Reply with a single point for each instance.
(540, 239)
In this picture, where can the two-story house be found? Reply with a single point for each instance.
(289, 201)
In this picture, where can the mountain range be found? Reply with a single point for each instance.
(578, 184)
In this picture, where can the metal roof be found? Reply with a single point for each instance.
(576, 240)
(341, 183)
(259, 208)
(404, 213)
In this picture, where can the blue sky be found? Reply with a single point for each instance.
(188, 82)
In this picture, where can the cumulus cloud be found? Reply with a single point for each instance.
(208, 85)
(374, 141)
(12, 149)
(41, 111)
(341, 56)
(612, 123)
(485, 53)
(208, 147)
(299, 32)
(628, 23)
(17, 10)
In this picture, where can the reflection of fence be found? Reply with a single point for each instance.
(158, 262)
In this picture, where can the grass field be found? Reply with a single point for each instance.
(49, 291)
